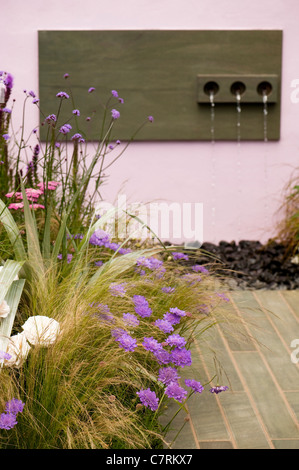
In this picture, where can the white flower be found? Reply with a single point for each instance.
(18, 349)
(4, 309)
(41, 330)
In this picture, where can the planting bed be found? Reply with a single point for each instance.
(251, 265)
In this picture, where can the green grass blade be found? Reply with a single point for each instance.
(34, 252)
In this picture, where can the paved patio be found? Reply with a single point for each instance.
(261, 408)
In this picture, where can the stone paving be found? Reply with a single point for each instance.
(261, 408)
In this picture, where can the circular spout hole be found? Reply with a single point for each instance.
(238, 88)
(211, 88)
(264, 88)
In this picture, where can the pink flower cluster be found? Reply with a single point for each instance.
(32, 196)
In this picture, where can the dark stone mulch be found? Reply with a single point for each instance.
(251, 265)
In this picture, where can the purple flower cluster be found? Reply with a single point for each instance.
(218, 389)
(118, 290)
(168, 290)
(8, 419)
(181, 357)
(130, 319)
(65, 129)
(62, 94)
(102, 238)
(174, 390)
(180, 256)
(198, 268)
(148, 398)
(168, 375)
(141, 306)
(196, 386)
(164, 325)
(174, 316)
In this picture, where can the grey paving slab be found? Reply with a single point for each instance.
(261, 409)
(247, 429)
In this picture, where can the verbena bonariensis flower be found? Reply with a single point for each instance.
(65, 129)
(174, 390)
(150, 118)
(168, 375)
(176, 340)
(78, 137)
(164, 325)
(91, 89)
(218, 389)
(196, 386)
(114, 93)
(76, 112)
(115, 114)
(148, 398)
(177, 256)
(51, 118)
(181, 357)
(62, 94)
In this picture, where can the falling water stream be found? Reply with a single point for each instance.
(265, 115)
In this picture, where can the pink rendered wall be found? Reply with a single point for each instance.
(240, 186)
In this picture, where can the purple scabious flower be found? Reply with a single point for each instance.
(7, 421)
(151, 344)
(162, 356)
(198, 268)
(4, 356)
(168, 375)
(176, 340)
(164, 326)
(168, 290)
(6, 110)
(171, 318)
(115, 114)
(14, 406)
(99, 238)
(118, 332)
(114, 93)
(130, 319)
(222, 296)
(98, 263)
(196, 386)
(181, 357)
(62, 94)
(76, 112)
(118, 290)
(148, 398)
(174, 390)
(218, 389)
(6, 137)
(127, 342)
(177, 256)
(178, 312)
(141, 306)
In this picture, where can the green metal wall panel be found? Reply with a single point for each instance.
(156, 73)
